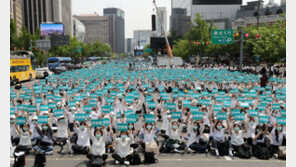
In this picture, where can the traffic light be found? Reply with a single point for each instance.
(153, 23)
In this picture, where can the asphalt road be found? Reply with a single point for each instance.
(175, 160)
(179, 160)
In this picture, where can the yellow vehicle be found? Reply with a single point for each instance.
(21, 66)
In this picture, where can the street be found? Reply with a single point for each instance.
(164, 160)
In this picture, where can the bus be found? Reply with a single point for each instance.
(21, 66)
(54, 62)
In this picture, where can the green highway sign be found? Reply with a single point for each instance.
(222, 36)
(148, 50)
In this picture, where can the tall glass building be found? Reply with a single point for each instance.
(180, 17)
(184, 4)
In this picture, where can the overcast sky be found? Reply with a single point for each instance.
(137, 12)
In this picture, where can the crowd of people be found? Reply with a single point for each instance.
(113, 110)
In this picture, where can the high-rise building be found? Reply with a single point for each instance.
(16, 11)
(218, 11)
(79, 30)
(67, 18)
(118, 16)
(128, 43)
(180, 16)
(37, 11)
(98, 28)
(163, 18)
(180, 22)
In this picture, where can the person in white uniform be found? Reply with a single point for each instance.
(82, 145)
(123, 152)
(98, 143)
(25, 138)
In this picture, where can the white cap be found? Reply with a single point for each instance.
(72, 108)
(12, 117)
(151, 112)
(45, 112)
(35, 117)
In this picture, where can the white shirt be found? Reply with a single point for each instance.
(98, 145)
(149, 137)
(193, 137)
(25, 139)
(123, 147)
(62, 128)
(83, 137)
(175, 135)
(237, 139)
(13, 132)
(219, 136)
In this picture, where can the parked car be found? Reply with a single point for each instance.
(43, 72)
(59, 69)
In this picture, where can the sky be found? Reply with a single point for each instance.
(137, 12)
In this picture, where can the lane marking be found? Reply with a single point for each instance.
(227, 158)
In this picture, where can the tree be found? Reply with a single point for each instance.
(13, 34)
(200, 31)
(24, 39)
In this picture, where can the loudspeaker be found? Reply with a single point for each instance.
(153, 23)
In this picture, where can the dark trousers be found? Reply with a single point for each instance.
(274, 149)
(71, 125)
(90, 156)
(199, 147)
(80, 149)
(26, 149)
(60, 140)
(215, 143)
(116, 157)
(171, 147)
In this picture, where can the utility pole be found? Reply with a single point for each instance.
(241, 51)
(169, 50)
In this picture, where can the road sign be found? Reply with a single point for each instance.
(222, 36)
(148, 50)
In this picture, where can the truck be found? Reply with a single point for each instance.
(165, 61)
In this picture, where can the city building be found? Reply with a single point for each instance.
(79, 30)
(248, 14)
(16, 12)
(67, 18)
(36, 12)
(163, 18)
(180, 22)
(118, 17)
(141, 38)
(128, 45)
(98, 28)
(221, 13)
